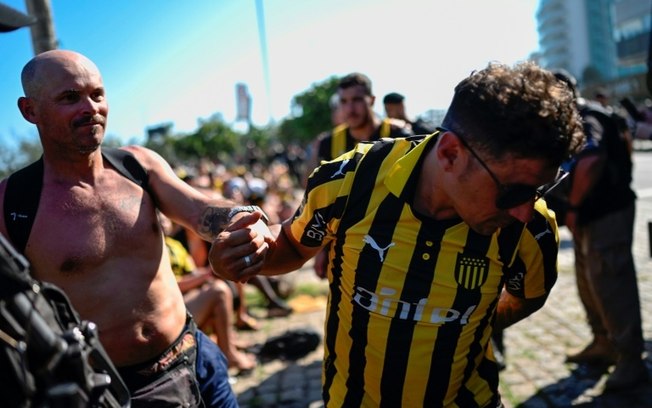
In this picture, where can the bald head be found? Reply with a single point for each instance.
(65, 99)
(40, 68)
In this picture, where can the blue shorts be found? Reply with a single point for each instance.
(192, 372)
(212, 374)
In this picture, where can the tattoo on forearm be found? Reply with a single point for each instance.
(212, 222)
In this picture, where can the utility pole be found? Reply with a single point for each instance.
(262, 34)
(43, 37)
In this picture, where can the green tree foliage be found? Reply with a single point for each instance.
(213, 139)
(161, 140)
(28, 151)
(261, 137)
(311, 113)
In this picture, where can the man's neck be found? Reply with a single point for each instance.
(74, 166)
(430, 199)
(364, 132)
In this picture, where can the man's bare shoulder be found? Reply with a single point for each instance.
(157, 168)
(144, 155)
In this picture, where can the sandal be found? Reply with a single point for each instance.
(278, 311)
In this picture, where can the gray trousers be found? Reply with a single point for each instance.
(606, 279)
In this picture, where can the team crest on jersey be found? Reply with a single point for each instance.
(471, 272)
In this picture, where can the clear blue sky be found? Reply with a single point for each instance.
(179, 61)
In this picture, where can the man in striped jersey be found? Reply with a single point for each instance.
(435, 240)
(358, 123)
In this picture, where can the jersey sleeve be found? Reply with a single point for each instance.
(316, 221)
(533, 271)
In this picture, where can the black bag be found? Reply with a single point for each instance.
(48, 357)
(291, 345)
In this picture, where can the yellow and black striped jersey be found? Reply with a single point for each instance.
(340, 141)
(412, 299)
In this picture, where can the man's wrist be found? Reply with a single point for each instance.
(249, 209)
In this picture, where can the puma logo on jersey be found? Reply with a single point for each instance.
(340, 171)
(539, 235)
(381, 251)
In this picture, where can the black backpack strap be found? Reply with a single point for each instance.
(127, 165)
(21, 201)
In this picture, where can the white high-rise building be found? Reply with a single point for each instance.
(603, 43)
(577, 35)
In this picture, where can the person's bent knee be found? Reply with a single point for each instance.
(221, 290)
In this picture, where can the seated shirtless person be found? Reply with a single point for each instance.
(95, 234)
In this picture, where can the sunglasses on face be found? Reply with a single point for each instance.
(512, 195)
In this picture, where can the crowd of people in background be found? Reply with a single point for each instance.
(264, 180)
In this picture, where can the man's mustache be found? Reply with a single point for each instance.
(90, 120)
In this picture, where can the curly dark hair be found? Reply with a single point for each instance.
(522, 111)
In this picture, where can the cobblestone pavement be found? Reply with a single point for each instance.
(536, 375)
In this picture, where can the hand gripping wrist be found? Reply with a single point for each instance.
(249, 209)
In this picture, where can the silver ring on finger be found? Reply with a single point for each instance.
(247, 260)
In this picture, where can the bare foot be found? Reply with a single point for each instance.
(246, 322)
(241, 344)
(243, 362)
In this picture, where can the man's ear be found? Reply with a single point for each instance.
(26, 107)
(448, 150)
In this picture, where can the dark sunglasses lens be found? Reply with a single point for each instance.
(513, 196)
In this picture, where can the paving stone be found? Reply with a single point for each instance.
(267, 399)
(291, 394)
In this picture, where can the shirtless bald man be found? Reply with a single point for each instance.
(96, 235)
